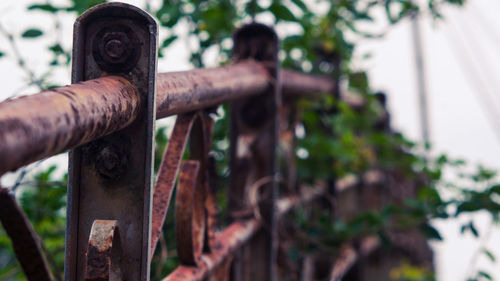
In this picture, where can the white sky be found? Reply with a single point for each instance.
(459, 125)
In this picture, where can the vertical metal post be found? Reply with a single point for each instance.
(109, 194)
(421, 82)
(253, 160)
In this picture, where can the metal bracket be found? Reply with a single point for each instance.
(110, 178)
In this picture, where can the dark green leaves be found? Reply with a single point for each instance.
(490, 255)
(44, 7)
(430, 232)
(281, 12)
(168, 41)
(469, 227)
(32, 33)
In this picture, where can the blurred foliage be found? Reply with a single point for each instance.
(407, 272)
(349, 142)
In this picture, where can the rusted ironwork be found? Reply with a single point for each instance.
(167, 173)
(349, 255)
(24, 239)
(110, 178)
(189, 214)
(79, 113)
(232, 238)
(38, 126)
(181, 92)
(103, 252)
(227, 242)
(111, 118)
(297, 83)
(253, 158)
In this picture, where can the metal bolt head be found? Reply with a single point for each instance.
(114, 48)
(110, 163)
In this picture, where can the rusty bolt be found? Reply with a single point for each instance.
(111, 163)
(115, 47)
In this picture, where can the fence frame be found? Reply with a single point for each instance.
(113, 98)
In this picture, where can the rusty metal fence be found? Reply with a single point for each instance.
(106, 117)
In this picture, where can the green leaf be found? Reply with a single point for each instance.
(56, 49)
(468, 206)
(281, 12)
(484, 274)
(2, 54)
(430, 232)
(489, 255)
(300, 4)
(359, 81)
(44, 7)
(168, 41)
(32, 33)
(495, 189)
(473, 229)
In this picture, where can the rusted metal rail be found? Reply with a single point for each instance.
(66, 117)
(115, 217)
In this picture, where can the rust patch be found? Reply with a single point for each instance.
(167, 174)
(189, 214)
(41, 125)
(100, 251)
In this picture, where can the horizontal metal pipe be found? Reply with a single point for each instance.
(37, 126)
(41, 125)
(297, 83)
(180, 92)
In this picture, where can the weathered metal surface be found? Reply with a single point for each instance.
(197, 127)
(167, 173)
(66, 117)
(344, 261)
(297, 83)
(110, 178)
(190, 214)
(103, 252)
(199, 146)
(254, 158)
(349, 255)
(226, 243)
(233, 237)
(221, 272)
(305, 196)
(307, 270)
(38, 126)
(23, 238)
(181, 92)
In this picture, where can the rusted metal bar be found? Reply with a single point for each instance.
(181, 92)
(297, 83)
(167, 173)
(349, 255)
(235, 236)
(254, 158)
(189, 214)
(41, 125)
(103, 252)
(110, 178)
(66, 117)
(23, 238)
(226, 243)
